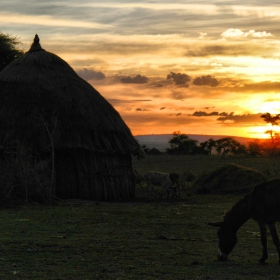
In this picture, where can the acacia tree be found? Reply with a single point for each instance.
(273, 120)
(9, 50)
(181, 144)
(228, 145)
(208, 145)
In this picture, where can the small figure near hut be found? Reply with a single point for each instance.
(261, 205)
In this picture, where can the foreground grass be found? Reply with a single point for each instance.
(155, 240)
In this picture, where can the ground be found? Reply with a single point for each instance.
(139, 239)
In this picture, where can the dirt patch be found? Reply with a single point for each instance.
(229, 179)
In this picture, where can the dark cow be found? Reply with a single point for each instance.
(261, 205)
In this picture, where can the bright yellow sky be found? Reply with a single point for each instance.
(200, 68)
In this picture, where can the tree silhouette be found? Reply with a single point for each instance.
(228, 145)
(208, 145)
(181, 144)
(273, 120)
(8, 50)
(255, 148)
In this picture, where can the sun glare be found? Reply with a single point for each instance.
(272, 107)
(259, 132)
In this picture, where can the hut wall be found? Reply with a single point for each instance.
(94, 176)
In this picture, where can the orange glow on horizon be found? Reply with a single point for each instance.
(258, 132)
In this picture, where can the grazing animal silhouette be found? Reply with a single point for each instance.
(160, 179)
(174, 177)
(263, 206)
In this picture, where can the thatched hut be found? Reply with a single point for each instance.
(61, 119)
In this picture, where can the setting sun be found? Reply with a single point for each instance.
(259, 131)
(272, 107)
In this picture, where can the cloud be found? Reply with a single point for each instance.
(250, 87)
(206, 81)
(261, 87)
(48, 20)
(162, 108)
(215, 64)
(231, 118)
(205, 114)
(207, 108)
(135, 80)
(230, 48)
(237, 33)
(141, 110)
(178, 95)
(159, 85)
(202, 35)
(117, 101)
(87, 74)
(179, 79)
(245, 118)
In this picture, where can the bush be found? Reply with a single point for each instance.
(154, 152)
(229, 179)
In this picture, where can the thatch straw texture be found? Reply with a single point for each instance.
(45, 104)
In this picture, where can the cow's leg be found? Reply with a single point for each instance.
(275, 238)
(263, 231)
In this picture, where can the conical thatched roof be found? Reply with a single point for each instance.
(42, 97)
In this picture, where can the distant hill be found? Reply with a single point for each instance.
(160, 141)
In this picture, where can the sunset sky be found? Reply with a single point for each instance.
(199, 67)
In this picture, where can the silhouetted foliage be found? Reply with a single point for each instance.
(199, 150)
(273, 120)
(145, 149)
(228, 145)
(154, 152)
(181, 144)
(208, 146)
(255, 148)
(9, 50)
(270, 118)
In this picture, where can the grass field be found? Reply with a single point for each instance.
(199, 164)
(138, 239)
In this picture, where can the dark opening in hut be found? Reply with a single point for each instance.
(65, 124)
